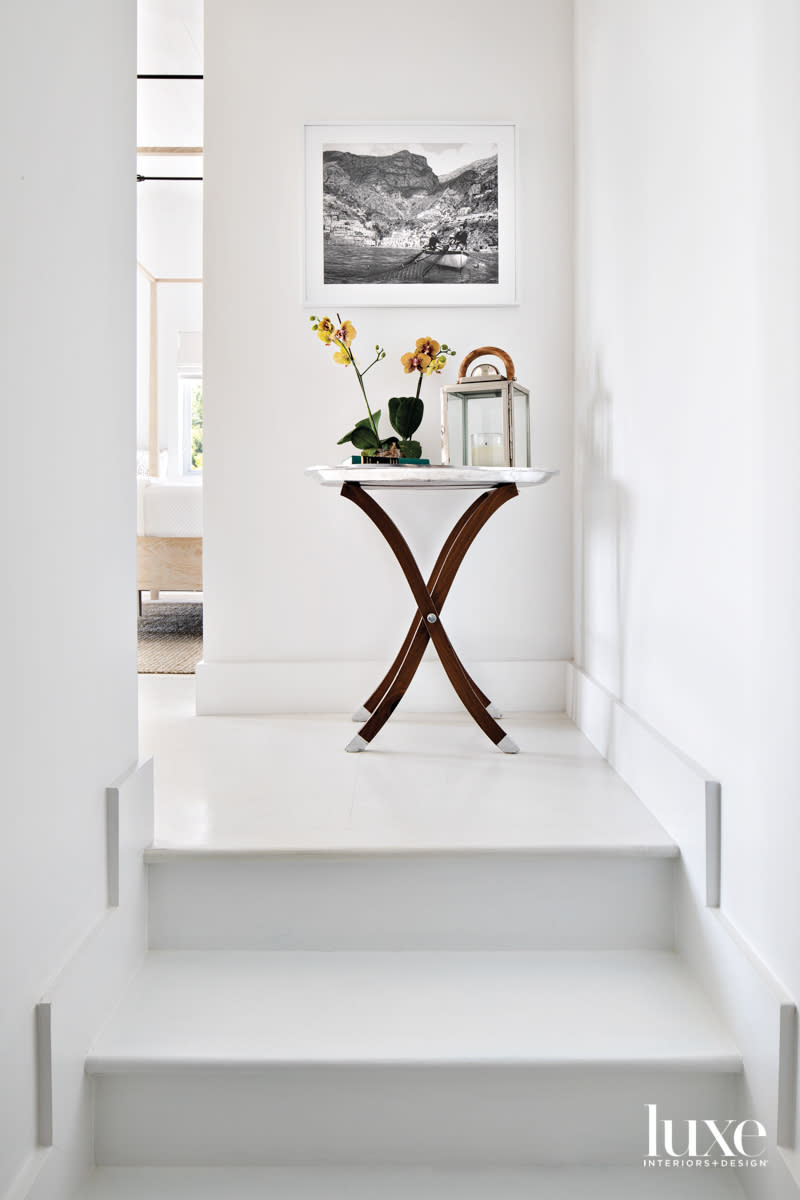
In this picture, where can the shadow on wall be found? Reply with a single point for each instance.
(604, 521)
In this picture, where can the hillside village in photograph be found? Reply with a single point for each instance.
(388, 217)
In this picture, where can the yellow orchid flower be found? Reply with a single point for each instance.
(341, 356)
(345, 333)
(428, 346)
(325, 330)
(436, 365)
(414, 361)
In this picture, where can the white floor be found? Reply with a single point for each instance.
(427, 782)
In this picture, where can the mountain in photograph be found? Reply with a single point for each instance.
(403, 173)
(397, 200)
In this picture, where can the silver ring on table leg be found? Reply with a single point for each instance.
(363, 714)
(492, 710)
(358, 744)
(508, 745)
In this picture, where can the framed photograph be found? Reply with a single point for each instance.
(407, 214)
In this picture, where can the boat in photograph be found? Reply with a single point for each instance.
(455, 259)
(420, 264)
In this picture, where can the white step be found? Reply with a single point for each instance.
(393, 1183)
(609, 898)
(223, 1058)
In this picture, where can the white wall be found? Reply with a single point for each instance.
(68, 599)
(292, 572)
(688, 375)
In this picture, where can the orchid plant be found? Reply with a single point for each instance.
(405, 412)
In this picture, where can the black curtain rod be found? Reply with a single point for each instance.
(169, 178)
(169, 76)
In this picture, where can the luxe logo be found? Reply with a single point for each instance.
(704, 1139)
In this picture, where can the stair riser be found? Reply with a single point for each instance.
(423, 1115)
(418, 901)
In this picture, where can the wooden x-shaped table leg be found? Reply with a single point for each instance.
(427, 621)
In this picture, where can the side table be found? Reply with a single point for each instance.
(497, 485)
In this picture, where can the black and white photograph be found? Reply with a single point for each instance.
(411, 214)
(400, 213)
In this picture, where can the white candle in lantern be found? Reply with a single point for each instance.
(487, 450)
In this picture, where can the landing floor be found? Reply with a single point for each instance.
(428, 781)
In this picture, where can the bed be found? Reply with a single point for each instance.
(169, 544)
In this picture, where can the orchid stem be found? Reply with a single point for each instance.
(344, 347)
(360, 379)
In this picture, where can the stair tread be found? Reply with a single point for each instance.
(655, 847)
(229, 1009)
(399, 1183)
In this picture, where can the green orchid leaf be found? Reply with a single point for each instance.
(364, 438)
(405, 414)
(365, 423)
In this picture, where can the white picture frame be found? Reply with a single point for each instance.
(371, 237)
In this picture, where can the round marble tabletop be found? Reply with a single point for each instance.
(424, 478)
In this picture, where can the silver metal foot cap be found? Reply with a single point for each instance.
(508, 746)
(494, 711)
(363, 714)
(358, 744)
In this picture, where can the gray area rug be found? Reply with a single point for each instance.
(170, 639)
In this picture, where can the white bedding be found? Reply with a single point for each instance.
(170, 509)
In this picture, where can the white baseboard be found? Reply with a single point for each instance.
(79, 998)
(679, 792)
(229, 688)
(759, 1013)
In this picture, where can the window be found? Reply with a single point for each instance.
(191, 390)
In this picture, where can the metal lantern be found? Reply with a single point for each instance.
(486, 415)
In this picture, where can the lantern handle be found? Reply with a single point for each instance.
(508, 362)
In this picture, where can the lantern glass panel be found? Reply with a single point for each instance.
(456, 419)
(484, 415)
(520, 400)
